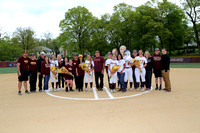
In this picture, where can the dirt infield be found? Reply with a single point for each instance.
(153, 112)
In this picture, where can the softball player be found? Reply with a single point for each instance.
(128, 70)
(113, 79)
(88, 78)
(54, 62)
(140, 70)
(106, 65)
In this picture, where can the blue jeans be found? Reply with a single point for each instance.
(148, 78)
(121, 80)
(46, 82)
(134, 79)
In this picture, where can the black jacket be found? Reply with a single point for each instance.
(149, 64)
(39, 62)
(165, 62)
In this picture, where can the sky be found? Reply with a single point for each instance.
(44, 16)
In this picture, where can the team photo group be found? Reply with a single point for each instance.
(125, 71)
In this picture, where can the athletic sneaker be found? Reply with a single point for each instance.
(58, 89)
(19, 93)
(142, 89)
(123, 90)
(46, 91)
(86, 89)
(40, 90)
(138, 89)
(131, 89)
(90, 89)
(55, 90)
(27, 92)
(63, 89)
(167, 90)
(114, 90)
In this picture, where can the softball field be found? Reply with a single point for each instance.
(103, 112)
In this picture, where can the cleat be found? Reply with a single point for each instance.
(63, 89)
(27, 92)
(142, 89)
(86, 89)
(131, 89)
(138, 89)
(19, 93)
(58, 89)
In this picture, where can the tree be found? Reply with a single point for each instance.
(76, 29)
(192, 9)
(25, 37)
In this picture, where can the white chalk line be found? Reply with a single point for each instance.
(95, 93)
(93, 99)
(109, 94)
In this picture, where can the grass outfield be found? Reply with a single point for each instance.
(4, 70)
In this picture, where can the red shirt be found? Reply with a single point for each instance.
(98, 63)
(157, 61)
(45, 68)
(71, 69)
(80, 70)
(24, 62)
(60, 64)
(75, 63)
(33, 64)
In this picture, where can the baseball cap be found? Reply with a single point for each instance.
(32, 54)
(42, 53)
(25, 51)
(134, 51)
(157, 49)
(80, 55)
(109, 53)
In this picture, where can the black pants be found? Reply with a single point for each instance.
(97, 76)
(76, 81)
(148, 78)
(40, 81)
(33, 80)
(80, 81)
(60, 78)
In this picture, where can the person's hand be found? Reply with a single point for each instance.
(19, 73)
(77, 74)
(39, 73)
(121, 72)
(70, 73)
(102, 72)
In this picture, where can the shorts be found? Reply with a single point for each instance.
(24, 75)
(157, 73)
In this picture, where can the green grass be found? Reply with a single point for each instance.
(185, 65)
(5, 70)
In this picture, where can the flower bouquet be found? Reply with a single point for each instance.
(53, 70)
(85, 67)
(136, 62)
(114, 69)
(63, 70)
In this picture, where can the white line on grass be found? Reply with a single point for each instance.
(109, 94)
(95, 93)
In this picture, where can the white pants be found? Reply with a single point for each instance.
(138, 74)
(128, 74)
(113, 79)
(87, 76)
(53, 78)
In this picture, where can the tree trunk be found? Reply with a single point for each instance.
(197, 36)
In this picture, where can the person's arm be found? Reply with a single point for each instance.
(124, 66)
(18, 69)
(167, 63)
(109, 68)
(103, 65)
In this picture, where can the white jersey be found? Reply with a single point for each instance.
(142, 60)
(112, 63)
(88, 62)
(53, 63)
(108, 62)
(129, 59)
(121, 63)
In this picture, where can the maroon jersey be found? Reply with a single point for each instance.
(33, 64)
(80, 70)
(24, 62)
(75, 63)
(157, 61)
(60, 64)
(71, 69)
(98, 63)
(45, 68)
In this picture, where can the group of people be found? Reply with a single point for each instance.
(138, 75)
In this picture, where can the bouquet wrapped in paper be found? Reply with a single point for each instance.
(136, 62)
(53, 70)
(63, 70)
(114, 69)
(85, 67)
